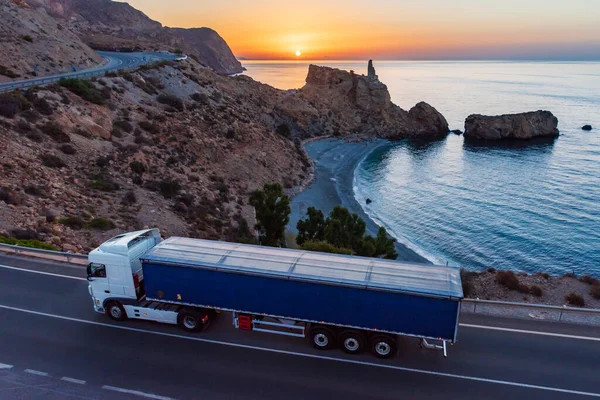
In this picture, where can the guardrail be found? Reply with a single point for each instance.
(585, 316)
(540, 312)
(71, 258)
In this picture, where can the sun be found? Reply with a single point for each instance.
(298, 53)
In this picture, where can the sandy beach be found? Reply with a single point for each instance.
(335, 161)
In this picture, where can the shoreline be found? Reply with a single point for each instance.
(334, 162)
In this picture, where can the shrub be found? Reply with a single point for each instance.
(31, 243)
(67, 149)
(52, 161)
(324, 247)
(33, 190)
(43, 106)
(104, 184)
(570, 275)
(575, 300)
(508, 279)
(170, 100)
(283, 130)
(590, 280)
(536, 291)
(595, 291)
(230, 134)
(491, 270)
(123, 125)
(28, 38)
(129, 198)
(100, 224)
(545, 275)
(55, 131)
(11, 105)
(84, 89)
(169, 188)
(150, 127)
(72, 222)
(7, 72)
(137, 167)
(523, 288)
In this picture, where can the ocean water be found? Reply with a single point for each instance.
(529, 207)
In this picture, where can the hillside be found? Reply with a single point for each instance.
(110, 25)
(172, 145)
(30, 37)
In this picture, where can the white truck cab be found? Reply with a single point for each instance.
(114, 269)
(116, 284)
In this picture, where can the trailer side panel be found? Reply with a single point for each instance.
(358, 307)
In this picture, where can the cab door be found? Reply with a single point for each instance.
(98, 281)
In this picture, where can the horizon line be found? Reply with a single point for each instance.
(241, 59)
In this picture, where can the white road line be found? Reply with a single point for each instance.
(5, 366)
(294, 353)
(560, 335)
(136, 393)
(34, 372)
(72, 380)
(43, 273)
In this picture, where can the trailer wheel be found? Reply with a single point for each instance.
(192, 320)
(383, 346)
(322, 338)
(115, 311)
(352, 342)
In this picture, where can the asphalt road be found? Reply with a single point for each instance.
(48, 326)
(112, 61)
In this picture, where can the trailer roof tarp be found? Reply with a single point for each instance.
(370, 273)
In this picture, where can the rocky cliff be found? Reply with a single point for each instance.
(512, 126)
(110, 25)
(173, 145)
(340, 102)
(32, 43)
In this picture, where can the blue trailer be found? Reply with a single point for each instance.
(357, 303)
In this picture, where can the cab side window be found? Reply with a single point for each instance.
(97, 270)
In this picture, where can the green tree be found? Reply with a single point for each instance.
(272, 213)
(311, 228)
(342, 231)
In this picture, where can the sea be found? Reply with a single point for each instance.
(530, 206)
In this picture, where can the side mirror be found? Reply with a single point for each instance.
(89, 272)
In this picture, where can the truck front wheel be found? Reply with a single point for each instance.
(115, 311)
(322, 338)
(383, 346)
(352, 342)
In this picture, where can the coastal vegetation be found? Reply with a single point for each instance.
(345, 232)
(31, 243)
(84, 89)
(272, 214)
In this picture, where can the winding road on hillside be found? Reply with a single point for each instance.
(112, 61)
(54, 346)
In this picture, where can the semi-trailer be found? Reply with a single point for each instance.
(356, 303)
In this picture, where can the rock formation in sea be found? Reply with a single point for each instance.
(339, 102)
(587, 127)
(534, 124)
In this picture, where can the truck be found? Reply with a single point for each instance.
(354, 303)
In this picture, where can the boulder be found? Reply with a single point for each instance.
(535, 124)
(457, 131)
(369, 201)
(587, 127)
(427, 121)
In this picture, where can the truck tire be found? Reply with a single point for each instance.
(352, 341)
(115, 311)
(191, 320)
(322, 338)
(383, 346)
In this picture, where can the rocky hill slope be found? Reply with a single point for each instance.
(33, 43)
(172, 145)
(110, 25)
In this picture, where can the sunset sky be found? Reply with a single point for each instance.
(393, 29)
